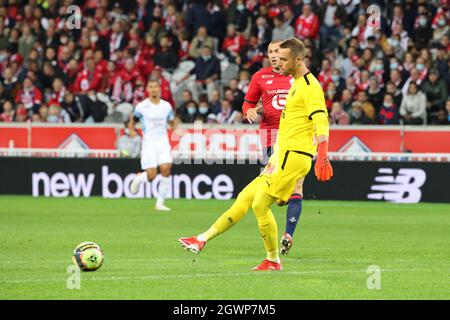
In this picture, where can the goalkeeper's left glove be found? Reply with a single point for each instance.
(323, 169)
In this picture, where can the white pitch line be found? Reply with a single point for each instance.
(291, 258)
(207, 275)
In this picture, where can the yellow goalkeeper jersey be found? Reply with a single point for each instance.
(297, 131)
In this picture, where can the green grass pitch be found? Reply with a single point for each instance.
(335, 244)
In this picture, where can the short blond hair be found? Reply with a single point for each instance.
(297, 47)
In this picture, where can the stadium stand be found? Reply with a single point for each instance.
(52, 71)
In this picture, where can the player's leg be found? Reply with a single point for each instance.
(149, 167)
(228, 219)
(164, 160)
(268, 229)
(292, 216)
(163, 188)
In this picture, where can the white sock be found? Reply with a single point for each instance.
(142, 177)
(162, 190)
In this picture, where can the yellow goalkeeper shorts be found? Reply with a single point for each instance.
(284, 169)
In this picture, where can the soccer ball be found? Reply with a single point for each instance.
(88, 256)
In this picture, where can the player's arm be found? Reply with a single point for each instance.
(319, 115)
(174, 123)
(250, 106)
(134, 118)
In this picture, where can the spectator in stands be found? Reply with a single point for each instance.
(442, 117)
(436, 92)
(357, 114)
(166, 56)
(233, 44)
(21, 114)
(338, 81)
(214, 102)
(324, 75)
(282, 30)
(56, 114)
(422, 33)
(71, 107)
(368, 108)
(238, 95)
(10, 82)
(338, 115)
(227, 115)
(238, 14)
(189, 113)
(8, 112)
(89, 78)
(244, 80)
(447, 108)
(362, 32)
(263, 32)
(129, 144)
(413, 77)
(26, 42)
(93, 109)
(117, 39)
(197, 16)
(206, 71)
(199, 41)
(388, 113)
(332, 17)
(307, 24)
(182, 108)
(203, 111)
(346, 100)
(414, 106)
(375, 93)
(30, 96)
(330, 96)
(442, 63)
(397, 94)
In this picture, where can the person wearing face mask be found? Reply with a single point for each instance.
(238, 14)
(189, 112)
(422, 33)
(203, 111)
(338, 81)
(440, 27)
(388, 113)
(99, 42)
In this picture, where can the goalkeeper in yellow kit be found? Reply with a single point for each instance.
(303, 130)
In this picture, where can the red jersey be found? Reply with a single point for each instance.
(272, 88)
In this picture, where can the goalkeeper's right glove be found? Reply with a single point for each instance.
(323, 169)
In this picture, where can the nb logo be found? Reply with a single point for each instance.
(401, 188)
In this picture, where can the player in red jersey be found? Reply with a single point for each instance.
(271, 86)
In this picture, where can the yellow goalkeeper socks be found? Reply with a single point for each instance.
(267, 224)
(233, 215)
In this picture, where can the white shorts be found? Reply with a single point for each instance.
(154, 154)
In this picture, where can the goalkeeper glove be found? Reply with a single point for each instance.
(323, 169)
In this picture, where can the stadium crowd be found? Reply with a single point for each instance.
(61, 65)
